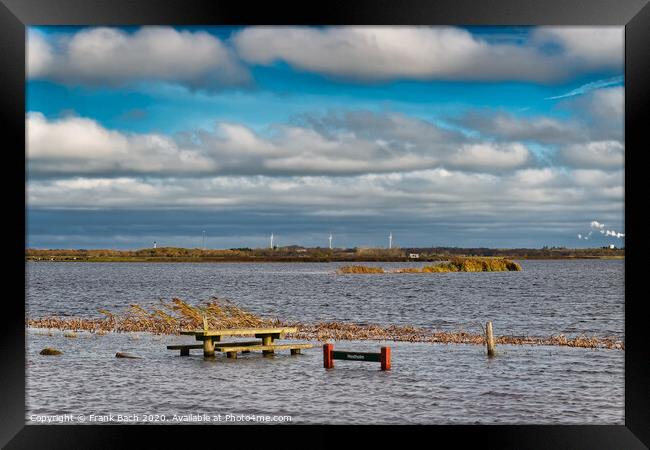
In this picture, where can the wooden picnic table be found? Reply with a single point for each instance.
(212, 341)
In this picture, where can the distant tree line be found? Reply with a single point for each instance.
(298, 253)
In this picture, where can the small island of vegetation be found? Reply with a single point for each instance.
(455, 264)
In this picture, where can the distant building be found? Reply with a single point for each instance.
(414, 255)
(612, 246)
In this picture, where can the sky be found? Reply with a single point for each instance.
(443, 136)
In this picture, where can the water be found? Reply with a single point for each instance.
(429, 383)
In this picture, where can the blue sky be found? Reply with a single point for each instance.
(490, 136)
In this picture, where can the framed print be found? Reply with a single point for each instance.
(370, 213)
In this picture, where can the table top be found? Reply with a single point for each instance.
(240, 331)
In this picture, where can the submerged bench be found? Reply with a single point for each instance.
(185, 349)
(212, 341)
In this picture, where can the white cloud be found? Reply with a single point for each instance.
(420, 194)
(347, 145)
(39, 55)
(75, 145)
(598, 178)
(607, 105)
(541, 129)
(592, 46)
(595, 116)
(597, 154)
(95, 56)
(492, 156)
(386, 52)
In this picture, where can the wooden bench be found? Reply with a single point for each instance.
(185, 349)
(212, 341)
(231, 352)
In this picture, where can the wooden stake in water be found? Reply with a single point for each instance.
(489, 339)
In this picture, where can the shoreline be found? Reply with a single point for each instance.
(298, 254)
(296, 260)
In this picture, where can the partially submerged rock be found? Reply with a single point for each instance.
(50, 351)
(126, 355)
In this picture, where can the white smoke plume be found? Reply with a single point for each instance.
(595, 225)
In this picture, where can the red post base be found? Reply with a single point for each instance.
(385, 358)
(328, 359)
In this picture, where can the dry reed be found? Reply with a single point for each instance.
(178, 315)
(456, 264)
(359, 269)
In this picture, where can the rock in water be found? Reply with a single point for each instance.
(51, 351)
(125, 355)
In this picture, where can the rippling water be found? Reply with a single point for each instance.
(429, 383)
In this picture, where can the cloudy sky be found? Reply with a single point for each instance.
(444, 136)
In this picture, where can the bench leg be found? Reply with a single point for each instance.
(185, 352)
(295, 351)
(267, 340)
(208, 348)
(231, 355)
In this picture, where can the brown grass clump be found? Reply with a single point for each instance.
(360, 269)
(474, 265)
(456, 264)
(170, 318)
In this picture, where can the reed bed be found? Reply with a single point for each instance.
(346, 331)
(168, 318)
(359, 269)
(171, 318)
(456, 264)
(474, 265)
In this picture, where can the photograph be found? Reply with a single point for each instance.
(325, 224)
(342, 223)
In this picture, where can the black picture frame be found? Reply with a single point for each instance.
(15, 15)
